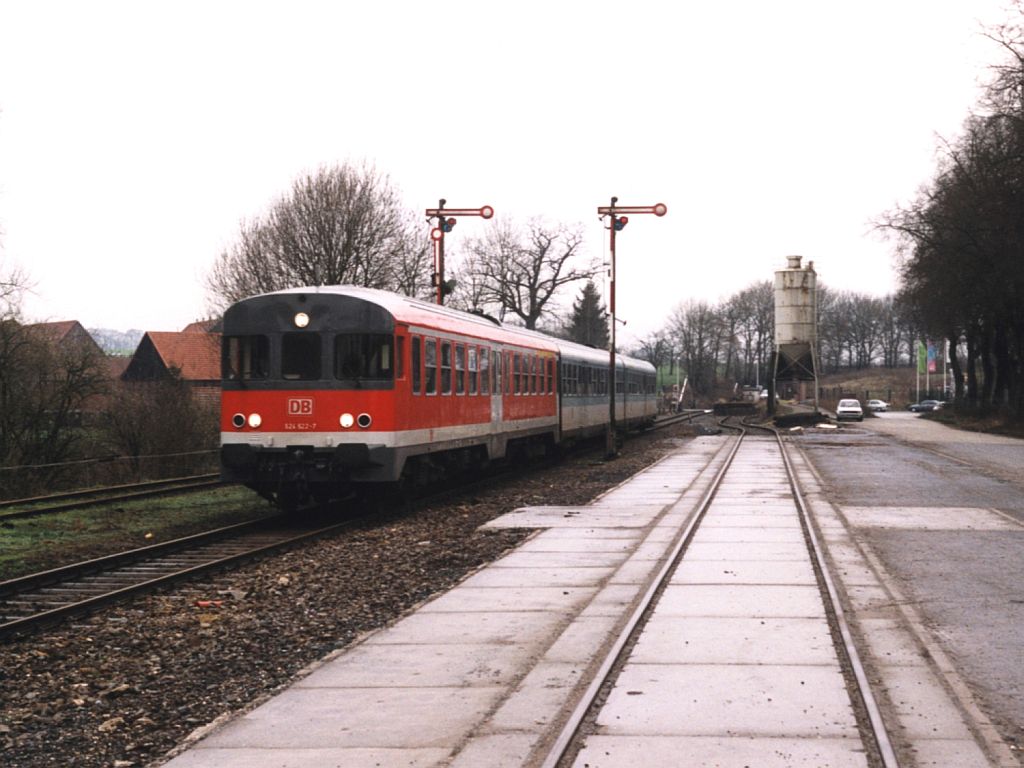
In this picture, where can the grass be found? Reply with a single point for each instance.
(979, 421)
(38, 543)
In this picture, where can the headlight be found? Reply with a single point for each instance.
(346, 420)
(364, 420)
(255, 420)
(238, 420)
(301, 320)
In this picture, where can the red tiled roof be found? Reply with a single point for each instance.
(57, 330)
(116, 365)
(63, 333)
(201, 326)
(197, 355)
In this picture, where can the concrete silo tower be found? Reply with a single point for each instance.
(796, 327)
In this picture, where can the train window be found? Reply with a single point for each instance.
(516, 363)
(446, 367)
(485, 371)
(430, 366)
(551, 375)
(460, 369)
(471, 367)
(508, 373)
(496, 371)
(417, 380)
(533, 374)
(245, 357)
(363, 356)
(399, 357)
(300, 356)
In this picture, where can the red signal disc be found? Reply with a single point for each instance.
(660, 209)
(487, 211)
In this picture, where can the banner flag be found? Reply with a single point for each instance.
(932, 366)
(922, 357)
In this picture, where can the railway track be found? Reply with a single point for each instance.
(41, 599)
(39, 506)
(44, 598)
(63, 502)
(584, 720)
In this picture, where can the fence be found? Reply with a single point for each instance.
(40, 479)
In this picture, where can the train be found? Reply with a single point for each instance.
(331, 390)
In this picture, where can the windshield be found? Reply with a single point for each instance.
(362, 356)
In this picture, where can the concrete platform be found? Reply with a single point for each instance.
(736, 666)
(737, 659)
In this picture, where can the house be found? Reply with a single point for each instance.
(203, 326)
(194, 355)
(66, 335)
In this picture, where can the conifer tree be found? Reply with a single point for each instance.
(589, 321)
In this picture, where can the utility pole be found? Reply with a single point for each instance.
(616, 224)
(445, 221)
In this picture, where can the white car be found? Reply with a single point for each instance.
(849, 409)
(878, 405)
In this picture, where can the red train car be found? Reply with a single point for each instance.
(332, 386)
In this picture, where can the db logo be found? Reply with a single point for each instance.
(300, 406)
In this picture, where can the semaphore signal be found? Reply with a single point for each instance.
(445, 218)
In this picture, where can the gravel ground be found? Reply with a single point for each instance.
(123, 687)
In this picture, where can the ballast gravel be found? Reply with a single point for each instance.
(121, 688)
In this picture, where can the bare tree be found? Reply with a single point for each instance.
(755, 306)
(520, 272)
(471, 292)
(158, 417)
(656, 349)
(339, 225)
(412, 265)
(14, 283)
(695, 328)
(43, 387)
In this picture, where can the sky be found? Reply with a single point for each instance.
(136, 136)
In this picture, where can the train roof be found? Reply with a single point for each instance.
(416, 312)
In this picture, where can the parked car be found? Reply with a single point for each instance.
(849, 409)
(925, 405)
(878, 405)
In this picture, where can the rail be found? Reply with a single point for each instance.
(569, 739)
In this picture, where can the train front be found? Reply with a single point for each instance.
(307, 407)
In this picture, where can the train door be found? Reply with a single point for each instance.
(496, 391)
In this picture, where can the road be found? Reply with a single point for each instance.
(943, 511)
